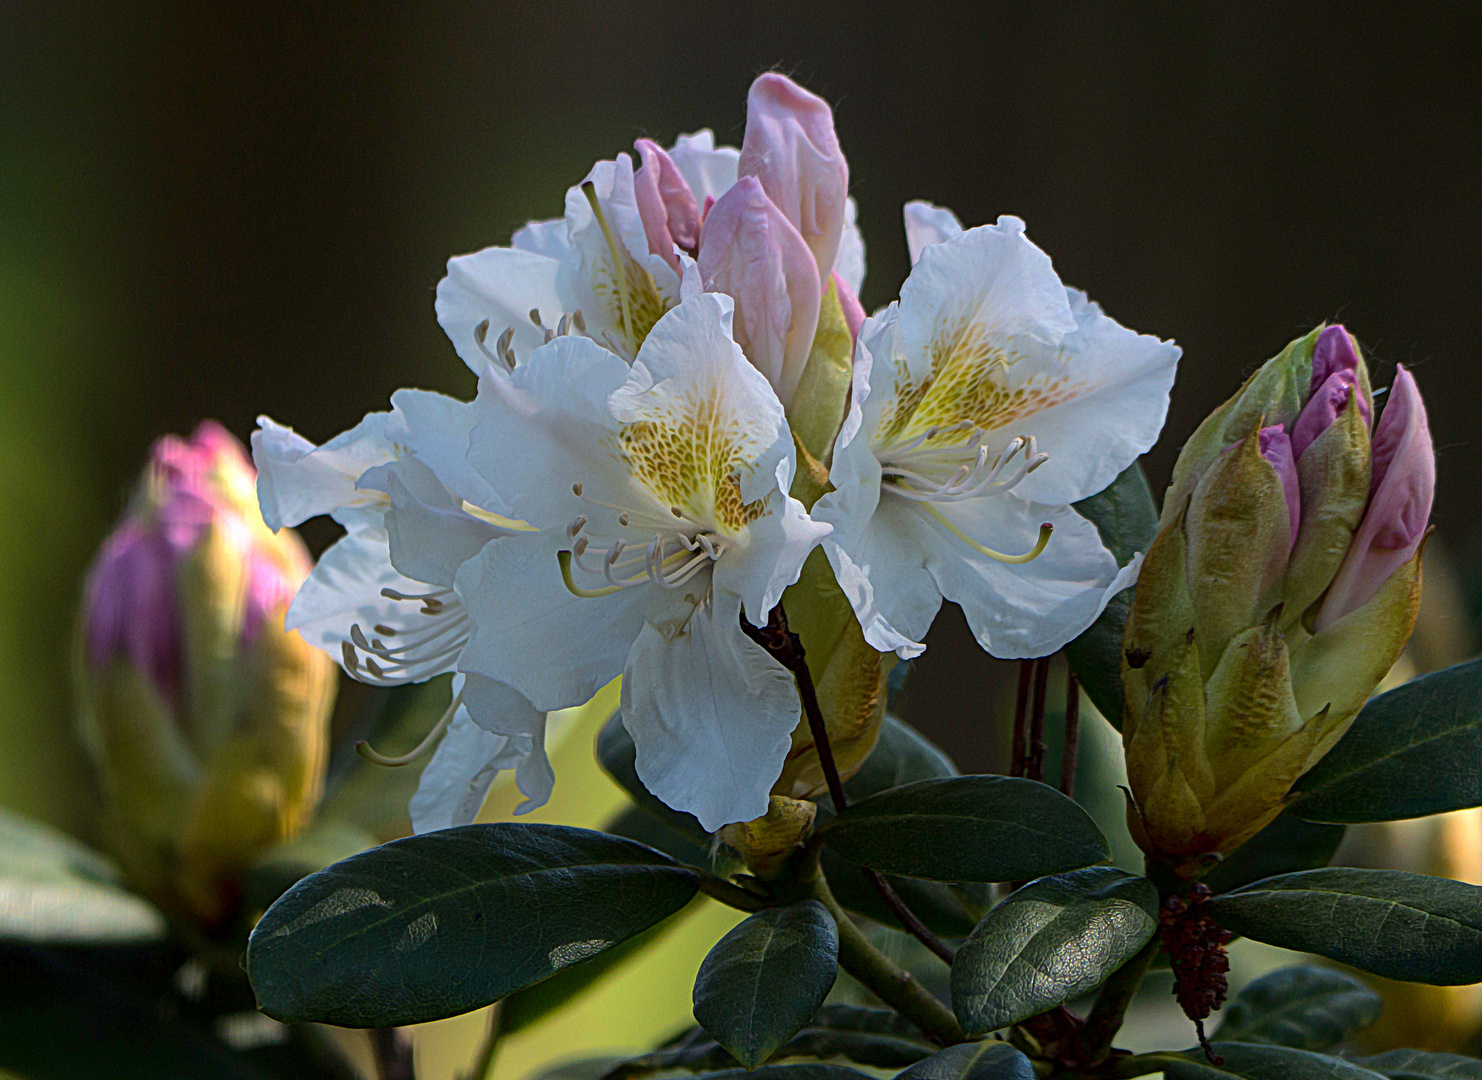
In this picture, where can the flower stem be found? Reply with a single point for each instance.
(1021, 715)
(1072, 734)
(787, 649)
(1035, 758)
(885, 979)
(1105, 1018)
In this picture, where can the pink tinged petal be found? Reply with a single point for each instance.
(270, 589)
(665, 203)
(1276, 448)
(854, 312)
(1400, 496)
(1324, 407)
(790, 146)
(1335, 351)
(751, 252)
(130, 607)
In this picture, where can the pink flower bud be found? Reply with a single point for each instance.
(1324, 407)
(752, 253)
(1276, 448)
(1334, 352)
(1400, 495)
(665, 203)
(854, 312)
(790, 146)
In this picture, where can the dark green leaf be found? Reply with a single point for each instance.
(973, 1061)
(791, 1072)
(1255, 1062)
(443, 923)
(1414, 751)
(618, 756)
(968, 828)
(947, 910)
(54, 890)
(531, 1005)
(634, 823)
(591, 1068)
(1422, 1065)
(283, 866)
(901, 756)
(1401, 926)
(878, 1038)
(1050, 941)
(766, 978)
(1285, 846)
(1127, 519)
(1303, 1006)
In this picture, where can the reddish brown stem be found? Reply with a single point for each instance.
(1072, 734)
(1021, 716)
(1035, 757)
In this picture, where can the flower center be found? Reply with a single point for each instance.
(412, 654)
(639, 304)
(669, 560)
(948, 464)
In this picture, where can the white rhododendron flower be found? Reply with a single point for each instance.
(984, 402)
(382, 600)
(770, 226)
(660, 495)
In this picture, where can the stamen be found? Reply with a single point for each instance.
(502, 346)
(564, 558)
(620, 278)
(577, 525)
(623, 519)
(535, 318)
(1029, 556)
(576, 489)
(365, 750)
(579, 321)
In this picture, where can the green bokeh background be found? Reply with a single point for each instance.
(212, 209)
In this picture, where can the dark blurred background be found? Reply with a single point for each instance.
(220, 210)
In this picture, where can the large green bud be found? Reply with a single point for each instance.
(206, 719)
(1282, 585)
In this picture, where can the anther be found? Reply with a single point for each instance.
(564, 326)
(623, 519)
(352, 662)
(576, 489)
(580, 547)
(676, 511)
(576, 526)
(502, 346)
(383, 630)
(579, 321)
(535, 318)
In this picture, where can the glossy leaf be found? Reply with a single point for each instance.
(877, 1038)
(1414, 751)
(443, 923)
(1303, 1006)
(766, 978)
(54, 890)
(1127, 518)
(1250, 1061)
(634, 823)
(1285, 846)
(810, 1071)
(968, 828)
(973, 1061)
(947, 910)
(1401, 926)
(618, 756)
(1422, 1065)
(1050, 941)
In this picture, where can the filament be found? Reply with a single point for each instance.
(365, 750)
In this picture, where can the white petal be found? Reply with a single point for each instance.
(711, 716)
(546, 427)
(437, 428)
(430, 533)
(546, 238)
(344, 588)
(926, 225)
(1018, 611)
(989, 284)
(777, 544)
(692, 377)
(503, 712)
(532, 634)
(849, 264)
(708, 170)
(499, 286)
(297, 480)
(587, 272)
(1109, 409)
(456, 781)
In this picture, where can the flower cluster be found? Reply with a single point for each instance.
(1281, 588)
(682, 415)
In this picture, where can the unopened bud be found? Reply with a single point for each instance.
(750, 252)
(1282, 586)
(790, 146)
(665, 204)
(205, 718)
